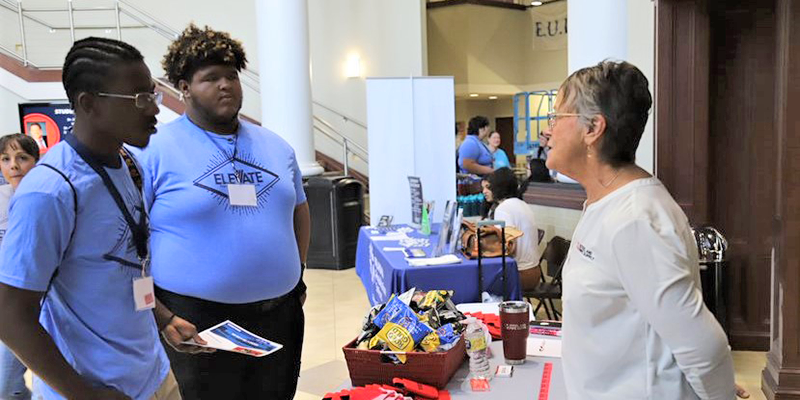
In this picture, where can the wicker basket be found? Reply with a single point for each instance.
(435, 369)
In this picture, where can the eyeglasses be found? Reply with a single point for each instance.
(553, 116)
(142, 100)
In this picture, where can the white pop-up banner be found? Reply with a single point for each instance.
(411, 130)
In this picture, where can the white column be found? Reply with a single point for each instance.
(617, 30)
(285, 75)
(598, 29)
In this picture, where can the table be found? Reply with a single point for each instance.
(385, 272)
(524, 384)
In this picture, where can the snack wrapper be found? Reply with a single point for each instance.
(434, 299)
(368, 327)
(394, 307)
(401, 332)
(440, 339)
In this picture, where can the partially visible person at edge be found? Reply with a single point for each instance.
(633, 259)
(230, 224)
(498, 155)
(503, 191)
(18, 155)
(82, 212)
(473, 155)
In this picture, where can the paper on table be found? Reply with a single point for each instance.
(393, 236)
(231, 337)
(443, 260)
(544, 347)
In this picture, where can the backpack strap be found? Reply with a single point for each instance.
(75, 208)
(133, 168)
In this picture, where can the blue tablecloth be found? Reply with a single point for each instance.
(386, 272)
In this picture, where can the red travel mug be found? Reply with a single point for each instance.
(515, 328)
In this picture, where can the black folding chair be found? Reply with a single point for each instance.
(554, 255)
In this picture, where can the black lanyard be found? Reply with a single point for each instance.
(139, 230)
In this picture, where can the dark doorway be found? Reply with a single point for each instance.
(505, 126)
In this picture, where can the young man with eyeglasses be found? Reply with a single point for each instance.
(230, 224)
(76, 298)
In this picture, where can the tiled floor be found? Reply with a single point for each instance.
(335, 307)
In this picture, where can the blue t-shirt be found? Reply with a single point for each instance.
(474, 149)
(501, 159)
(202, 246)
(89, 310)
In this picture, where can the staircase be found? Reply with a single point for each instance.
(128, 19)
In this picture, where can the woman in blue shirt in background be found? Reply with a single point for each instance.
(499, 155)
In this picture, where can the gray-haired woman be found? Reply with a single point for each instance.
(635, 325)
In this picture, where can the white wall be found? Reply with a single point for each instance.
(9, 112)
(629, 36)
(389, 37)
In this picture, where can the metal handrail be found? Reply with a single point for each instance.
(344, 116)
(345, 143)
(147, 20)
(329, 126)
(163, 27)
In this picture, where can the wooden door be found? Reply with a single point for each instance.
(742, 165)
(715, 139)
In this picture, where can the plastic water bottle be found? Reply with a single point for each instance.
(475, 338)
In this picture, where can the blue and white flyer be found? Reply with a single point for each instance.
(231, 337)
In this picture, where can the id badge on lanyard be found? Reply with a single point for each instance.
(242, 195)
(143, 292)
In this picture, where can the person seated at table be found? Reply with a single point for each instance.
(473, 155)
(635, 325)
(503, 191)
(499, 155)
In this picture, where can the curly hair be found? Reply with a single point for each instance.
(196, 48)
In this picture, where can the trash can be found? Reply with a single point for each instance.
(711, 249)
(337, 213)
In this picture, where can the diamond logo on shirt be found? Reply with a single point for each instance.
(220, 174)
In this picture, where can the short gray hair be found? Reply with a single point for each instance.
(618, 91)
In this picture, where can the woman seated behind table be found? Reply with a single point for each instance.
(474, 157)
(503, 191)
(18, 155)
(499, 155)
(635, 325)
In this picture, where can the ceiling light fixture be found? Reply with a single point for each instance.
(492, 97)
(536, 3)
(473, 95)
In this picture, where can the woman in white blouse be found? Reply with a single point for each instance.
(502, 190)
(635, 325)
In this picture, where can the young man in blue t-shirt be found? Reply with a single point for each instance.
(230, 224)
(77, 238)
